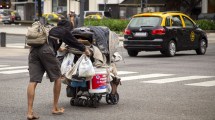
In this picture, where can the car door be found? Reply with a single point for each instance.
(179, 32)
(191, 33)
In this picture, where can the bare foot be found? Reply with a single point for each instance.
(32, 116)
(58, 111)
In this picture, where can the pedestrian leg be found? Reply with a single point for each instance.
(56, 90)
(31, 94)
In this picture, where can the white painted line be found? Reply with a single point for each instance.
(14, 71)
(10, 68)
(4, 65)
(203, 84)
(176, 79)
(16, 45)
(125, 72)
(129, 78)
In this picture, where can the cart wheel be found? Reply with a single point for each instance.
(115, 98)
(112, 98)
(72, 102)
(99, 97)
(94, 103)
(89, 102)
(80, 101)
(108, 99)
(76, 101)
(84, 102)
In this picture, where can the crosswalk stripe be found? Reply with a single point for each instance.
(14, 71)
(123, 72)
(176, 79)
(204, 84)
(16, 45)
(10, 68)
(129, 78)
(4, 65)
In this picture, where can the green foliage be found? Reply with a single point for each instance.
(206, 24)
(119, 25)
(116, 25)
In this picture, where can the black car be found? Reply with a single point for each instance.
(167, 32)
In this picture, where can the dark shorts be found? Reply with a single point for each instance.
(42, 59)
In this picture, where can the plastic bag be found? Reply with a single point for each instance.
(86, 68)
(67, 63)
(73, 70)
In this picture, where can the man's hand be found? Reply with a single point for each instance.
(87, 52)
(62, 49)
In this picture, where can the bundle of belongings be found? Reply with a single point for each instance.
(79, 68)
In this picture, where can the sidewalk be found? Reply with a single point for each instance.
(22, 30)
(12, 52)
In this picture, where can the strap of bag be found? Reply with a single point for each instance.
(53, 37)
(43, 29)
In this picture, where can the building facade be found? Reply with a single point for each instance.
(118, 8)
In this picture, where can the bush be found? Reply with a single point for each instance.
(116, 25)
(206, 24)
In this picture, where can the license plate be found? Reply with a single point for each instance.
(140, 34)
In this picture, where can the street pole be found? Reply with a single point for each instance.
(141, 5)
(81, 13)
(39, 8)
(146, 3)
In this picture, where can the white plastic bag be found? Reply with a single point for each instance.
(73, 70)
(86, 68)
(67, 63)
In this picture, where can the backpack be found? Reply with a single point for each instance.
(36, 35)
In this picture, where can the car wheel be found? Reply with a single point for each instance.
(202, 47)
(171, 49)
(132, 53)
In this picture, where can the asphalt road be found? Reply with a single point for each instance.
(154, 87)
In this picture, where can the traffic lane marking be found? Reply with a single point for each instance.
(176, 79)
(129, 78)
(203, 84)
(14, 71)
(10, 68)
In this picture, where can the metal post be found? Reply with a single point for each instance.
(141, 6)
(3, 39)
(146, 5)
(39, 8)
(81, 13)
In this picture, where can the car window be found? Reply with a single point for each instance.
(188, 22)
(50, 17)
(167, 21)
(59, 15)
(145, 21)
(176, 21)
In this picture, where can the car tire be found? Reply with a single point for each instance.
(132, 53)
(171, 49)
(202, 47)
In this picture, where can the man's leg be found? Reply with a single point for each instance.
(30, 94)
(56, 90)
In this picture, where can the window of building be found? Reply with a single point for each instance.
(59, 6)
